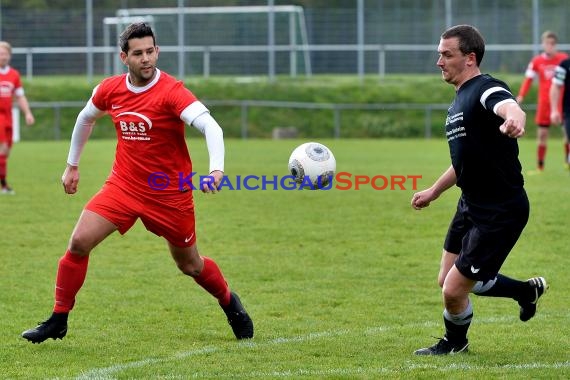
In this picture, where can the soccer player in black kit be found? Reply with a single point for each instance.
(482, 126)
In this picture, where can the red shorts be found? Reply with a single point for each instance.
(170, 216)
(6, 135)
(542, 116)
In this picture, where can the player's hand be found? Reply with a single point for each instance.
(519, 99)
(512, 128)
(422, 199)
(211, 183)
(70, 179)
(555, 117)
(30, 119)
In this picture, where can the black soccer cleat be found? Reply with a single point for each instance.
(443, 347)
(239, 320)
(55, 327)
(538, 287)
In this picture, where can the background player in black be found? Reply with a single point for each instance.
(561, 80)
(482, 125)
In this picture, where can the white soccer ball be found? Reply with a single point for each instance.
(312, 165)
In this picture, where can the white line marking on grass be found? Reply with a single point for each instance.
(108, 373)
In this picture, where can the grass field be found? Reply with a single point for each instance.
(340, 284)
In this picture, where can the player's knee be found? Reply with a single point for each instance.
(79, 245)
(189, 269)
(187, 260)
(452, 294)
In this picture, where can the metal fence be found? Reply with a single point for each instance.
(430, 111)
(363, 37)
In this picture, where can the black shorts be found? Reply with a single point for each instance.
(483, 234)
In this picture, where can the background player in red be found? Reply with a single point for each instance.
(542, 67)
(149, 109)
(10, 87)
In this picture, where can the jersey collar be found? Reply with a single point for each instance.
(138, 90)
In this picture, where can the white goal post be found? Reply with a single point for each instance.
(293, 31)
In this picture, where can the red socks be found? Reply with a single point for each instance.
(71, 274)
(3, 165)
(212, 279)
(72, 270)
(541, 153)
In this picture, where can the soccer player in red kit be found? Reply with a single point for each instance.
(542, 67)
(149, 109)
(10, 87)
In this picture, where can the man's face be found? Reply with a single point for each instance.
(4, 57)
(549, 45)
(452, 62)
(141, 60)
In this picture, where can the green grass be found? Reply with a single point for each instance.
(340, 284)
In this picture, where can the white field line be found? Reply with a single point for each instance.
(109, 373)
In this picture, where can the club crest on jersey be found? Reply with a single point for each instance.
(134, 125)
(6, 89)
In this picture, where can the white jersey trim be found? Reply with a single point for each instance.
(529, 73)
(490, 91)
(559, 76)
(138, 90)
(192, 112)
(496, 107)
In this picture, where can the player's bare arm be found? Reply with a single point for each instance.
(423, 198)
(515, 119)
(555, 115)
(25, 107)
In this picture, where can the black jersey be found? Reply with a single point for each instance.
(562, 78)
(485, 161)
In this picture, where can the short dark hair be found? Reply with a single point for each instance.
(470, 40)
(135, 30)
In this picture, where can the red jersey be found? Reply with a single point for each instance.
(542, 67)
(10, 85)
(151, 153)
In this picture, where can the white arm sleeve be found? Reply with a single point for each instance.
(82, 130)
(199, 117)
